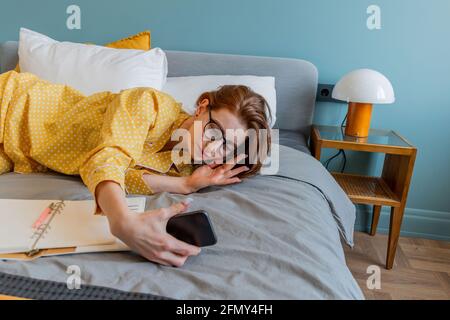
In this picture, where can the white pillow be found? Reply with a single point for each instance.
(187, 89)
(90, 68)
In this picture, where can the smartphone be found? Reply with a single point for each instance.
(192, 227)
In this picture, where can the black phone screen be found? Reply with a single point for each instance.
(192, 227)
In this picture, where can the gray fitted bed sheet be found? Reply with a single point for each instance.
(278, 238)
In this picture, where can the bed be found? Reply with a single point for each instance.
(280, 236)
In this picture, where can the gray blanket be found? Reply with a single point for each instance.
(278, 238)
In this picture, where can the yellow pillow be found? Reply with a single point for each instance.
(140, 41)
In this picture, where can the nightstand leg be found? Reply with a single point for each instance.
(375, 218)
(394, 234)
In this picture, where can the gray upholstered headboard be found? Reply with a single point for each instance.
(296, 80)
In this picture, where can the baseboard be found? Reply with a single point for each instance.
(417, 223)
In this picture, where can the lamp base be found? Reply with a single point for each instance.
(358, 119)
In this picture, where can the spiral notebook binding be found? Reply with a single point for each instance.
(43, 229)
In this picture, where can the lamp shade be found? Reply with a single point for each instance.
(364, 86)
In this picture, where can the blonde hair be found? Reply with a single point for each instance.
(252, 109)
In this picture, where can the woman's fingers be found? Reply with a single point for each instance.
(172, 259)
(179, 247)
(171, 244)
(173, 210)
(231, 181)
(236, 171)
(175, 252)
(148, 236)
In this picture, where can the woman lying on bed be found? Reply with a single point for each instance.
(122, 143)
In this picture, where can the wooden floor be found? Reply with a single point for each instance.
(421, 269)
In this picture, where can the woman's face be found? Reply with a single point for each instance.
(208, 131)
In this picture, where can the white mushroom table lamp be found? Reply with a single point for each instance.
(361, 89)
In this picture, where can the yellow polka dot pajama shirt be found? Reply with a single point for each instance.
(106, 136)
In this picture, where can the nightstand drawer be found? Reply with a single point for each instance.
(367, 190)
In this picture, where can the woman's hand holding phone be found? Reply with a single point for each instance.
(146, 234)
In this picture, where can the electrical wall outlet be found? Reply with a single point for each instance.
(324, 93)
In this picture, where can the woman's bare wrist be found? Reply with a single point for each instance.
(158, 183)
(187, 185)
(112, 201)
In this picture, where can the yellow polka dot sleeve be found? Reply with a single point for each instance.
(126, 124)
(135, 183)
(109, 164)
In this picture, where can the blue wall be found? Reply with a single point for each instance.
(412, 49)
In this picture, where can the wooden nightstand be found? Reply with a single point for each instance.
(391, 189)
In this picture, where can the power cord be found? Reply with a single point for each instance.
(327, 163)
(343, 122)
(341, 151)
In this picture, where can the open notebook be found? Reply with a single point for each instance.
(35, 228)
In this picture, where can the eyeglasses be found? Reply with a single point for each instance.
(213, 131)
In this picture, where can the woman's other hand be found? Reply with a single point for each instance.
(146, 234)
(214, 175)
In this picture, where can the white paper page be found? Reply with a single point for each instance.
(75, 226)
